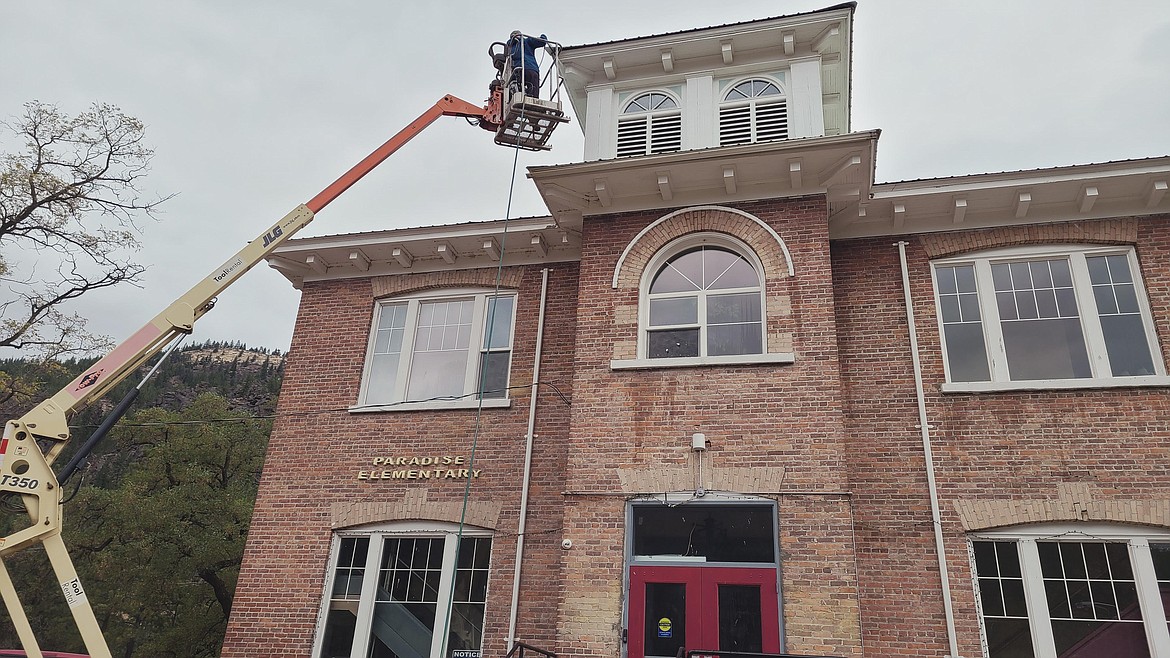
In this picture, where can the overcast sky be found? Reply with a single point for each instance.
(252, 107)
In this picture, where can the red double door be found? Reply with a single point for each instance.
(702, 608)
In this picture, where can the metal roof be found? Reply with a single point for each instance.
(845, 5)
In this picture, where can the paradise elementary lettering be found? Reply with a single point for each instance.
(444, 467)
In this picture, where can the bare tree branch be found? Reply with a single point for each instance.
(70, 198)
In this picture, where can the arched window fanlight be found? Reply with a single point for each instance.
(753, 111)
(650, 123)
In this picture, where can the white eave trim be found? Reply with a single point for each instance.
(452, 232)
(1006, 180)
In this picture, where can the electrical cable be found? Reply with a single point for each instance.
(300, 414)
(482, 379)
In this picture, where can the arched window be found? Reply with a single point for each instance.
(390, 587)
(704, 300)
(753, 111)
(650, 123)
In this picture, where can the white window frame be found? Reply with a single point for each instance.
(469, 398)
(708, 239)
(753, 104)
(1087, 311)
(1138, 540)
(651, 117)
(377, 534)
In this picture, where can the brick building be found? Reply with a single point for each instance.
(729, 393)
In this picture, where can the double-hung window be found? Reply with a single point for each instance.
(1029, 317)
(650, 123)
(389, 593)
(442, 347)
(1050, 592)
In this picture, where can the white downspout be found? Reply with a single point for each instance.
(527, 462)
(936, 519)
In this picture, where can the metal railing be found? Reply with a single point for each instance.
(700, 653)
(519, 648)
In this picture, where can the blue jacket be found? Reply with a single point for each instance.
(523, 49)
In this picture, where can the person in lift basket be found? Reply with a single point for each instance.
(522, 51)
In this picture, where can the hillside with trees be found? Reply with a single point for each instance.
(156, 521)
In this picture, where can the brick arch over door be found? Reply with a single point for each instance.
(769, 248)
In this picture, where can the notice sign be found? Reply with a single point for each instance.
(464, 653)
(665, 627)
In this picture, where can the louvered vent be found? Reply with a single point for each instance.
(666, 134)
(735, 125)
(631, 138)
(771, 121)
(649, 134)
(745, 124)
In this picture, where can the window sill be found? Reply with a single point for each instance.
(432, 405)
(1056, 384)
(700, 361)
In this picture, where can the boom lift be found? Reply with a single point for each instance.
(31, 443)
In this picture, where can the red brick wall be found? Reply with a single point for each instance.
(317, 448)
(788, 415)
(997, 447)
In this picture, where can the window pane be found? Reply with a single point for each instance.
(969, 306)
(1001, 276)
(498, 322)
(339, 630)
(991, 596)
(674, 311)
(681, 273)
(1098, 270)
(746, 338)
(742, 307)
(402, 629)
(1096, 565)
(1008, 638)
(494, 374)
(985, 560)
(673, 343)
(944, 280)
(665, 601)
(739, 618)
(1021, 276)
(1100, 638)
(1009, 559)
(1006, 302)
(1014, 604)
(437, 374)
(724, 269)
(949, 306)
(718, 533)
(1045, 349)
(966, 352)
(1046, 304)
